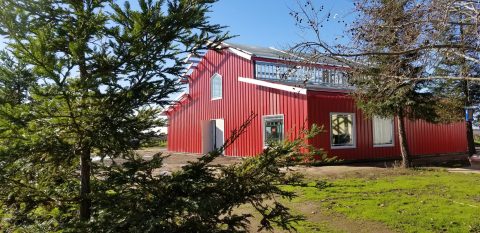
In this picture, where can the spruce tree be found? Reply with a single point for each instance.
(88, 78)
(98, 70)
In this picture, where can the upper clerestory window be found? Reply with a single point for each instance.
(216, 87)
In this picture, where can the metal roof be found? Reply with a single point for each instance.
(274, 53)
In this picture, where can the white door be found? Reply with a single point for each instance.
(218, 126)
(207, 136)
(212, 134)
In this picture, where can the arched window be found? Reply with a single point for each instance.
(216, 86)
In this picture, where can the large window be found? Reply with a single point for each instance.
(272, 129)
(342, 127)
(382, 131)
(216, 87)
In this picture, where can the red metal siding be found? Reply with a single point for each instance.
(239, 100)
(423, 138)
(433, 139)
(321, 104)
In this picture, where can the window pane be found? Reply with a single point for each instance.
(325, 76)
(342, 130)
(382, 131)
(216, 86)
(273, 129)
(220, 87)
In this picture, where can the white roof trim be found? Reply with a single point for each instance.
(176, 100)
(277, 86)
(240, 53)
(180, 96)
(188, 57)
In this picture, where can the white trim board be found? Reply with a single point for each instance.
(277, 86)
(240, 53)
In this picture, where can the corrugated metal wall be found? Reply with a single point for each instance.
(321, 104)
(423, 138)
(239, 100)
(431, 139)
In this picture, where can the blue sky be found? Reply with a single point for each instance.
(268, 23)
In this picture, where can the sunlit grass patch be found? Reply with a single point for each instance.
(422, 201)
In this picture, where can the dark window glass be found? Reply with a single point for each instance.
(273, 129)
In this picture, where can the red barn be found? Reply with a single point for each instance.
(225, 87)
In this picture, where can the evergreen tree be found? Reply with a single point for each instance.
(83, 78)
(86, 60)
(15, 78)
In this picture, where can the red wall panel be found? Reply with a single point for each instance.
(424, 138)
(433, 139)
(321, 104)
(239, 100)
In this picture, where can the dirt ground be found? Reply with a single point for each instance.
(453, 163)
(176, 160)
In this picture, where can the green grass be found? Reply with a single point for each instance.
(154, 143)
(421, 201)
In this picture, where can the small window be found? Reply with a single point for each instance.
(342, 130)
(382, 131)
(216, 87)
(272, 129)
(326, 76)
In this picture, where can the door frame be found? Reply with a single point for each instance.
(214, 125)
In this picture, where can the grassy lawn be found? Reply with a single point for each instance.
(410, 201)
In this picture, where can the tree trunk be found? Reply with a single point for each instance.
(85, 200)
(402, 138)
(470, 139)
(468, 124)
(464, 71)
(85, 160)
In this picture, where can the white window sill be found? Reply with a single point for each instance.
(216, 98)
(384, 145)
(342, 147)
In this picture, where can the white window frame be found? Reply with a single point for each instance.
(393, 133)
(263, 127)
(211, 87)
(354, 131)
